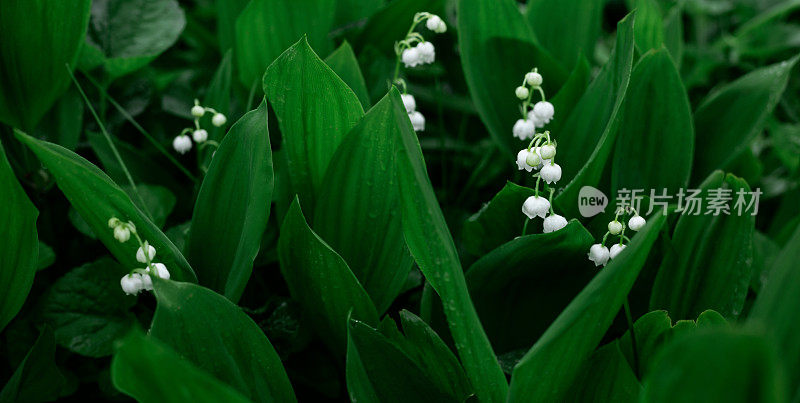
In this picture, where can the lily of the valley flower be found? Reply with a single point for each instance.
(536, 206)
(599, 254)
(617, 228)
(636, 223)
(554, 222)
(182, 143)
(138, 279)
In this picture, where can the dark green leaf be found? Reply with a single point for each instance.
(494, 37)
(232, 207)
(19, 250)
(87, 309)
(217, 96)
(315, 110)
(357, 210)
(431, 244)
(216, 336)
(729, 118)
(150, 372)
(46, 256)
(266, 27)
(606, 377)
(654, 142)
(497, 222)
(158, 201)
(549, 368)
(649, 27)
(343, 62)
(63, 123)
(349, 12)
(131, 33)
(227, 13)
(319, 279)
(566, 41)
(710, 262)
(30, 82)
(37, 379)
(97, 198)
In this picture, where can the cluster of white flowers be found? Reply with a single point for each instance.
(599, 253)
(183, 143)
(138, 279)
(541, 151)
(415, 51)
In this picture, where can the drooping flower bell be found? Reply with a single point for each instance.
(554, 222)
(551, 172)
(636, 223)
(616, 249)
(524, 129)
(544, 111)
(417, 121)
(536, 206)
(182, 144)
(435, 24)
(409, 102)
(599, 254)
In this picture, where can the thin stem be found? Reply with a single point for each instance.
(110, 144)
(633, 337)
(141, 130)
(525, 227)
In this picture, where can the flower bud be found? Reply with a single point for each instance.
(548, 151)
(122, 233)
(636, 222)
(615, 227)
(200, 135)
(533, 160)
(615, 250)
(409, 102)
(417, 121)
(182, 144)
(599, 254)
(551, 173)
(533, 79)
(535, 206)
(113, 222)
(521, 92)
(151, 253)
(554, 222)
(544, 111)
(198, 111)
(218, 119)
(131, 283)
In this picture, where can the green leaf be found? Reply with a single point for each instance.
(772, 311)
(87, 309)
(217, 96)
(654, 143)
(493, 37)
(729, 119)
(571, 92)
(583, 149)
(497, 222)
(232, 207)
(37, 379)
(29, 82)
(266, 27)
(379, 371)
(431, 245)
(158, 200)
(216, 336)
(786, 144)
(20, 250)
(319, 279)
(350, 12)
(343, 62)
(546, 372)
(63, 123)
(97, 198)
(710, 263)
(715, 365)
(649, 28)
(227, 13)
(315, 110)
(46, 256)
(151, 372)
(606, 377)
(566, 41)
(131, 33)
(360, 186)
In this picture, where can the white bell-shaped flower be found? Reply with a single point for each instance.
(218, 119)
(615, 250)
(198, 111)
(522, 157)
(409, 102)
(427, 53)
(547, 151)
(533, 79)
(636, 222)
(411, 57)
(544, 111)
(554, 222)
(182, 144)
(521, 92)
(122, 233)
(160, 270)
(131, 283)
(417, 121)
(534, 160)
(615, 227)
(435, 24)
(599, 254)
(532, 117)
(535, 206)
(551, 172)
(151, 253)
(200, 135)
(524, 129)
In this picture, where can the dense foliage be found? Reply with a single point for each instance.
(272, 200)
